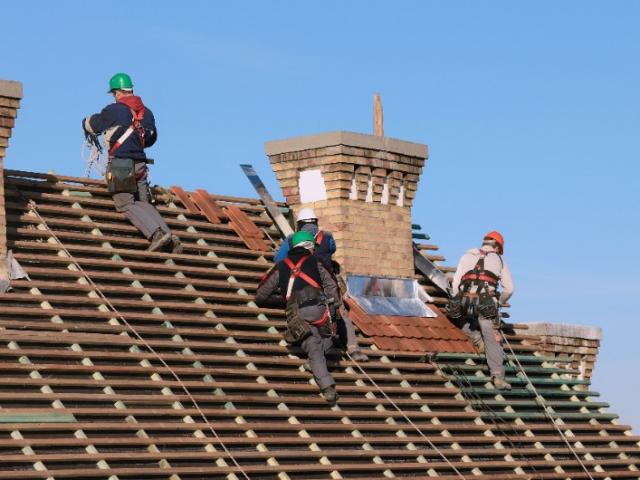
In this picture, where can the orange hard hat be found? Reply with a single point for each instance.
(499, 239)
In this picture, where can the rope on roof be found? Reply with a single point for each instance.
(469, 393)
(34, 208)
(395, 405)
(543, 403)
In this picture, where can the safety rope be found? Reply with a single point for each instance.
(96, 159)
(542, 402)
(34, 208)
(395, 405)
(470, 394)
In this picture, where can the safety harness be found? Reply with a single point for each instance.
(477, 294)
(296, 272)
(482, 279)
(124, 177)
(135, 126)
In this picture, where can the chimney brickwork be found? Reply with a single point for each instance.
(10, 95)
(362, 192)
(574, 346)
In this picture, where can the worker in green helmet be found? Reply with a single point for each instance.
(128, 127)
(310, 293)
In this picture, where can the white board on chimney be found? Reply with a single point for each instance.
(311, 186)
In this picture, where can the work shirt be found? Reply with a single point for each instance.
(493, 262)
(272, 290)
(113, 121)
(324, 251)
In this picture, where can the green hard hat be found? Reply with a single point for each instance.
(301, 237)
(120, 81)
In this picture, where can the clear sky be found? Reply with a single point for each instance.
(531, 111)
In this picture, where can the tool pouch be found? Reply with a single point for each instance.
(487, 306)
(454, 310)
(327, 329)
(297, 328)
(121, 177)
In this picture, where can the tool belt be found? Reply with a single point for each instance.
(298, 328)
(468, 304)
(121, 175)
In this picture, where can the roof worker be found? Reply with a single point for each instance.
(475, 300)
(129, 127)
(310, 293)
(307, 221)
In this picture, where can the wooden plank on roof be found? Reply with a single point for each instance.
(8, 415)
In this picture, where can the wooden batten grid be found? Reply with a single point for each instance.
(109, 409)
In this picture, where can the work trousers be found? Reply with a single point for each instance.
(349, 330)
(137, 208)
(481, 328)
(316, 346)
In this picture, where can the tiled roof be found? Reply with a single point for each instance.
(413, 334)
(82, 397)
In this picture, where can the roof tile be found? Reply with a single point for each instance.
(412, 334)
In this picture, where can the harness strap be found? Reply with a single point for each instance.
(319, 237)
(479, 274)
(483, 277)
(135, 125)
(323, 319)
(123, 138)
(296, 272)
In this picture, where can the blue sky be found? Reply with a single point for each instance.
(531, 111)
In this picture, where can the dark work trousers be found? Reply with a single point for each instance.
(316, 347)
(137, 208)
(481, 328)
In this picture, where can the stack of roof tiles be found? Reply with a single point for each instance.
(81, 396)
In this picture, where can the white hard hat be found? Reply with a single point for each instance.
(306, 214)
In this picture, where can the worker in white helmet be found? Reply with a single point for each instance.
(307, 221)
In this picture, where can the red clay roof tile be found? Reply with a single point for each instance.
(410, 334)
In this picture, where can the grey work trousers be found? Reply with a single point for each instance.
(316, 346)
(481, 328)
(352, 340)
(137, 208)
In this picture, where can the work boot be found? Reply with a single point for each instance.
(159, 239)
(176, 245)
(357, 355)
(330, 395)
(500, 383)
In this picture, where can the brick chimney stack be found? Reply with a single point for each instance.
(362, 188)
(10, 95)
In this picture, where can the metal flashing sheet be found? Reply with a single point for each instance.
(389, 296)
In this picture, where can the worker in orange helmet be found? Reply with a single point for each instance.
(475, 298)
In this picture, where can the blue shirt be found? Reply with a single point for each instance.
(114, 120)
(324, 251)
